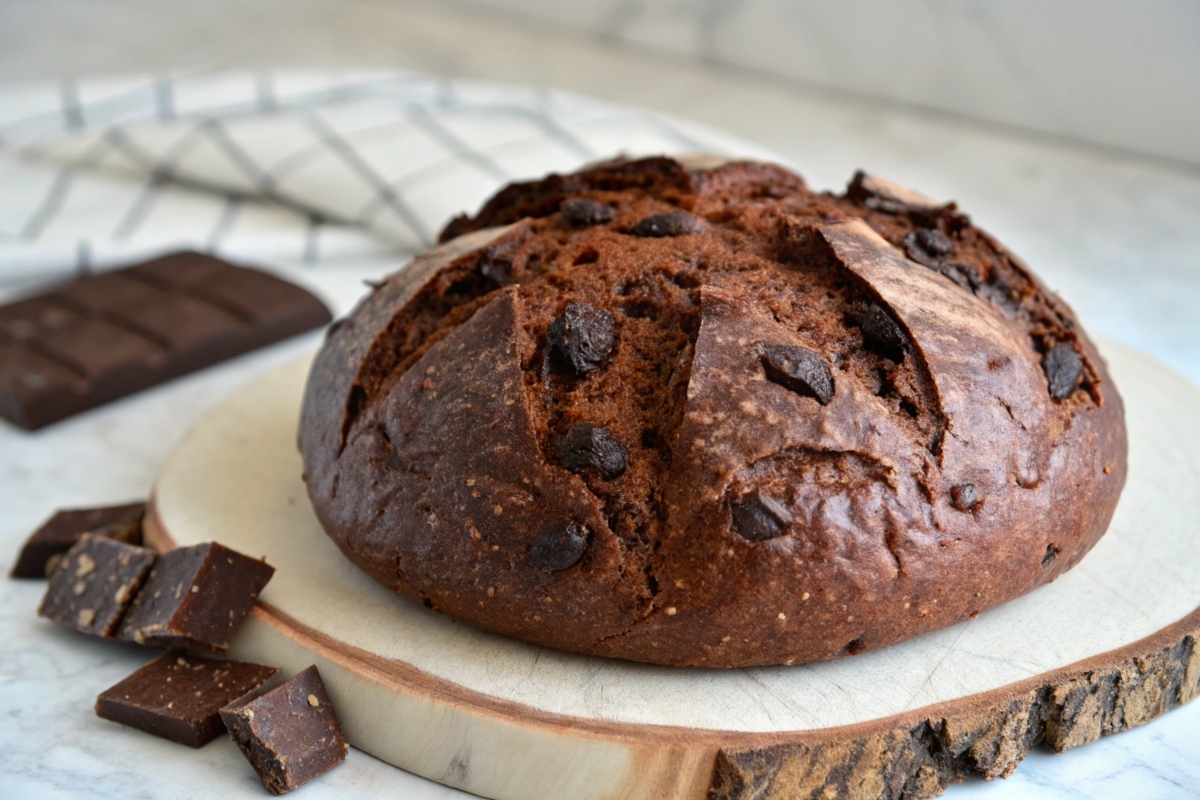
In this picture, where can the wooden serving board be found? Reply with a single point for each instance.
(1108, 646)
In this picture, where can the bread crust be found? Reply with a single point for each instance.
(826, 422)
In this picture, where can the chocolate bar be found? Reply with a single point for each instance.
(195, 597)
(179, 697)
(107, 335)
(94, 583)
(61, 532)
(290, 734)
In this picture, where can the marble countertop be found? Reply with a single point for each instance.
(1119, 236)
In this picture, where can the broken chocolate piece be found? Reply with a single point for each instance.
(582, 337)
(672, 223)
(882, 334)
(758, 517)
(179, 697)
(798, 369)
(196, 597)
(289, 734)
(106, 335)
(1063, 366)
(62, 531)
(582, 211)
(559, 546)
(589, 447)
(964, 497)
(94, 584)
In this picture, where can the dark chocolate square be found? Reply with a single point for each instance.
(179, 696)
(196, 597)
(94, 583)
(57, 535)
(290, 734)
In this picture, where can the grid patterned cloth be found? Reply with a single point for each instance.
(283, 165)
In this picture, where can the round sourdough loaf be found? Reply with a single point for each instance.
(693, 413)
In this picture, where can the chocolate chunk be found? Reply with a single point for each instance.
(928, 245)
(964, 275)
(94, 584)
(496, 263)
(195, 597)
(179, 697)
(107, 335)
(559, 546)
(588, 447)
(582, 211)
(1000, 292)
(582, 337)
(1051, 554)
(1063, 366)
(672, 223)
(759, 516)
(882, 334)
(799, 369)
(290, 734)
(60, 533)
(964, 497)
(917, 253)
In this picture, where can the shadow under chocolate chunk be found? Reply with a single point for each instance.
(587, 447)
(758, 516)
(581, 338)
(94, 584)
(61, 532)
(581, 211)
(672, 223)
(179, 697)
(196, 597)
(558, 546)
(883, 334)
(799, 369)
(1063, 366)
(289, 734)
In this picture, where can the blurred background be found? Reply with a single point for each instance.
(1113, 73)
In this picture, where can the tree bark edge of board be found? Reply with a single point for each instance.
(987, 735)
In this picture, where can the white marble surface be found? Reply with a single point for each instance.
(1119, 236)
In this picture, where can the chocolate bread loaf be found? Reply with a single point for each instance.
(697, 414)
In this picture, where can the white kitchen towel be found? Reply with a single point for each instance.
(283, 165)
